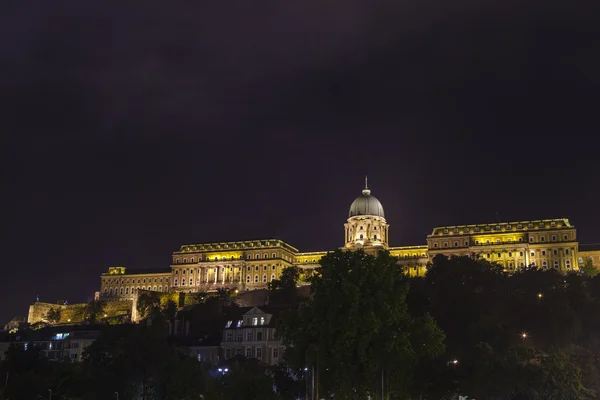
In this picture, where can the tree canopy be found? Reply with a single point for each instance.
(356, 329)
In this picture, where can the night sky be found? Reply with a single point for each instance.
(130, 128)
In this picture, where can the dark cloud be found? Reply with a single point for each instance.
(130, 128)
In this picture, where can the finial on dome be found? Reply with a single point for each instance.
(366, 191)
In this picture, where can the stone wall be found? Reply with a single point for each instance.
(75, 313)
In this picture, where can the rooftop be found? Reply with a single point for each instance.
(239, 245)
(540, 224)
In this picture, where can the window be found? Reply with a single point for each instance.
(265, 255)
(361, 236)
(257, 256)
(555, 252)
(543, 252)
(520, 239)
(160, 288)
(176, 273)
(273, 267)
(568, 264)
(374, 237)
(192, 259)
(248, 352)
(272, 277)
(435, 245)
(497, 240)
(229, 337)
(531, 238)
(466, 242)
(185, 260)
(566, 251)
(259, 336)
(499, 255)
(262, 320)
(477, 242)
(266, 266)
(455, 244)
(565, 237)
(510, 254)
(191, 283)
(554, 238)
(488, 255)
(255, 278)
(248, 268)
(521, 265)
(126, 290)
(121, 291)
(175, 282)
(274, 255)
(255, 321)
(556, 264)
(487, 242)
(542, 238)
(184, 271)
(275, 352)
(177, 261)
(249, 257)
(264, 277)
(248, 279)
(259, 353)
(520, 254)
(544, 264)
(532, 254)
(249, 336)
(257, 268)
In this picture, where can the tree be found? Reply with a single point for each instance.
(246, 379)
(283, 290)
(356, 329)
(53, 315)
(15, 324)
(588, 268)
(93, 311)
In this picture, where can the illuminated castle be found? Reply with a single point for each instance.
(247, 265)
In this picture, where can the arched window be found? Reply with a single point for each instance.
(192, 259)
(143, 287)
(154, 288)
(160, 288)
(126, 290)
(184, 271)
(177, 261)
(185, 260)
(374, 237)
(111, 291)
(176, 272)
(257, 256)
(361, 236)
(121, 291)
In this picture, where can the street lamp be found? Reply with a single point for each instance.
(539, 296)
(117, 395)
(524, 335)
(50, 394)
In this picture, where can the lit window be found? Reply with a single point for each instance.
(262, 320)
(228, 324)
(255, 321)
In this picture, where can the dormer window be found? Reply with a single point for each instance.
(262, 320)
(255, 321)
(240, 323)
(228, 324)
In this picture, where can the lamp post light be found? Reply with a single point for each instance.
(524, 335)
(117, 395)
(49, 394)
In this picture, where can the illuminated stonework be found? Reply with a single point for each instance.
(252, 264)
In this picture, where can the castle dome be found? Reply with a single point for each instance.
(366, 204)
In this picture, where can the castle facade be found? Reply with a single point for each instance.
(252, 264)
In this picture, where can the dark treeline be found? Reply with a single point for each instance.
(467, 329)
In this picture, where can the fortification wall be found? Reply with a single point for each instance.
(75, 313)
